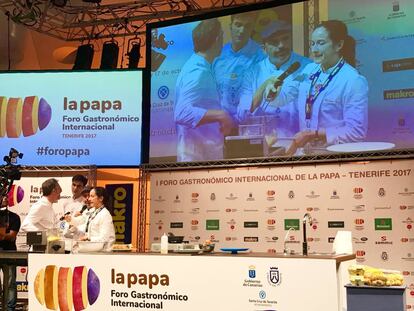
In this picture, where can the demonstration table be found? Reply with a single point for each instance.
(218, 281)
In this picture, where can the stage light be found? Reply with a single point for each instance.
(109, 58)
(59, 3)
(84, 57)
(134, 52)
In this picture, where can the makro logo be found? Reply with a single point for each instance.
(62, 289)
(15, 195)
(26, 115)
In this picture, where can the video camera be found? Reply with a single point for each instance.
(8, 174)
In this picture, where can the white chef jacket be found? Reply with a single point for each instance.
(196, 92)
(76, 229)
(341, 109)
(285, 114)
(41, 217)
(101, 229)
(229, 70)
(72, 205)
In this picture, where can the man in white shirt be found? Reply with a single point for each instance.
(277, 41)
(41, 215)
(75, 203)
(201, 122)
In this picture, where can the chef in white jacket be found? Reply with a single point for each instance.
(41, 216)
(75, 225)
(331, 96)
(99, 226)
(201, 122)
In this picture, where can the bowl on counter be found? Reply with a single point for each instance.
(207, 248)
(89, 247)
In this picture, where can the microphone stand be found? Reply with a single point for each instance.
(305, 240)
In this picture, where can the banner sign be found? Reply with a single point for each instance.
(180, 283)
(71, 118)
(263, 208)
(122, 196)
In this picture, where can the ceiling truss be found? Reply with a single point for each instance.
(84, 21)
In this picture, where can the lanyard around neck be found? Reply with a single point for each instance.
(92, 217)
(311, 98)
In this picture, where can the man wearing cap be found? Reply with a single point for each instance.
(277, 40)
(201, 123)
(235, 59)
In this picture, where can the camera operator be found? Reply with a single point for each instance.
(8, 243)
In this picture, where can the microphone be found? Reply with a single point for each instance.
(63, 217)
(83, 209)
(291, 69)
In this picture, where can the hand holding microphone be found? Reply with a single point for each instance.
(271, 87)
(79, 213)
(64, 216)
(274, 88)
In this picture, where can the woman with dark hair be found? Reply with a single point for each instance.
(99, 226)
(331, 96)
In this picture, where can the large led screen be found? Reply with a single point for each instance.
(72, 118)
(257, 84)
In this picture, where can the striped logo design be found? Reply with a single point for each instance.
(15, 195)
(23, 116)
(65, 290)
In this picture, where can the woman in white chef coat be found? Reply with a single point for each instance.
(331, 96)
(99, 226)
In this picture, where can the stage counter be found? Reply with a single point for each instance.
(218, 281)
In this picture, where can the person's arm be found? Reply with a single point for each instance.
(266, 91)
(2, 232)
(304, 137)
(187, 108)
(188, 114)
(221, 116)
(11, 236)
(14, 227)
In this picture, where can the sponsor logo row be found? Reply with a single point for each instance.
(380, 224)
(274, 209)
(270, 195)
